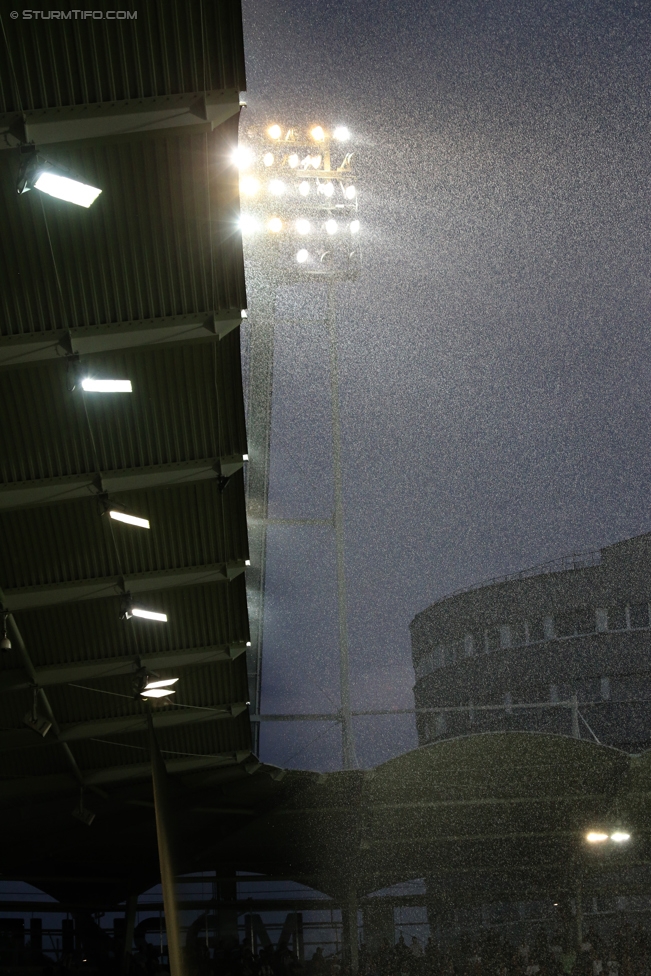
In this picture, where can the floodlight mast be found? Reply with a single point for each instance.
(308, 185)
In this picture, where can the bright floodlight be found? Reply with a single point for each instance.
(275, 224)
(248, 224)
(249, 186)
(149, 614)
(596, 837)
(331, 226)
(72, 191)
(302, 256)
(277, 188)
(620, 836)
(247, 562)
(248, 643)
(327, 189)
(245, 457)
(160, 683)
(304, 188)
(317, 133)
(293, 160)
(315, 161)
(129, 519)
(350, 192)
(354, 227)
(274, 132)
(268, 159)
(157, 692)
(106, 386)
(242, 157)
(341, 133)
(303, 226)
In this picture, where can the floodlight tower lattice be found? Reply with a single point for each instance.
(303, 210)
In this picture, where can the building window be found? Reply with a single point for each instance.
(505, 636)
(605, 688)
(548, 628)
(601, 619)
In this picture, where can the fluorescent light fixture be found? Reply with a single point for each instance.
(249, 186)
(245, 457)
(242, 157)
(149, 614)
(293, 160)
(129, 519)
(276, 188)
(106, 386)
(157, 692)
(350, 192)
(304, 188)
(341, 133)
(317, 133)
(247, 562)
(596, 837)
(62, 187)
(303, 226)
(620, 836)
(275, 224)
(160, 683)
(354, 227)
(268, 159)
(331, 226)
(302, 256)
(274, 132)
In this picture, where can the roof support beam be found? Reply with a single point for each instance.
(31, 348)
(32, 597)
(62, 674)
(24, 738)
(151, 116)
(50, 490)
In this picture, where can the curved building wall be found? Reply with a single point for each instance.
(541, 639)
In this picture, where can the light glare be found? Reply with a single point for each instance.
(341, 133)
(106, 386)
(72, 191)
(249, 186)
(160, 683)
(274, 131)
(277, 188)
(157, 692)
(242, 157)
(350, 192)
(354, 227)
(327, 189)
(275, 224)
(303, 226)
(620, 836)
(304, 188)
(248, 225)
(302, 256)
(315, 162)
(129, 519)
(268, 159)
(317, 133)
(149, 614)
(331, 226)
(596, 837)
(293, 160)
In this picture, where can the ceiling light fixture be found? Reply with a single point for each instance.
(55, 180)
(128, 519)
(148, 684)
(129, 610)
(90, 385)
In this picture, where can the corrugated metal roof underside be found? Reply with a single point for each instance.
(168, 48)
(186, 405)
(161, 240)
(212, 614)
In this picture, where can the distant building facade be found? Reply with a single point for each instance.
(580, 627)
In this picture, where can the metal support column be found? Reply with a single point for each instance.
(348, 744)
(163, 832)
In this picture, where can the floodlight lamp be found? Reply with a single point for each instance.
(247, 562)
(276, 188)
(248, 643)
(293, 160)
(302, 256)
(341, 133)
(274, 132)
(350, 192)
(354, 227)
(149, 614)
(245, 457)
(304, 188)
(55, 180)
(317, 133)
(315, 162)
(90, 385)
(268, 159)
(244, 313)
(275, 224)
(596, 837)
(331, 226)
(620, 836)
(249, 186)
(248, 224)
(242, 157)
(119, 516)
(303, 226)
(327, 189)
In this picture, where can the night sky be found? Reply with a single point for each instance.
(495, 351)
